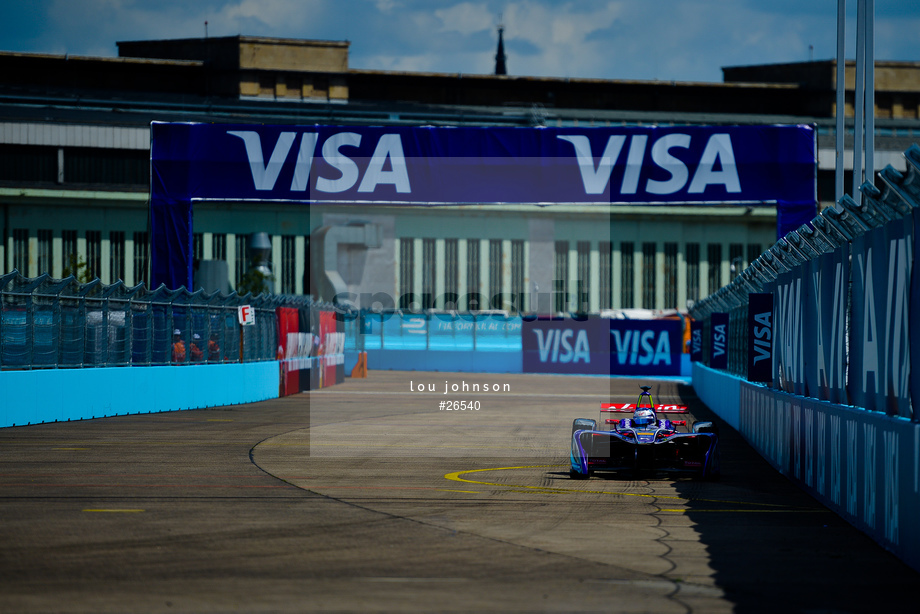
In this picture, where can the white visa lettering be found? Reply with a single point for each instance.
(762, 336)
(661, 155)
(548, 346)
(718, 340)
(629, 342)
(265, 175)
(717, 152)
(595, 179)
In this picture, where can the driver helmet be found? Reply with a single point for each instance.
(644, 417)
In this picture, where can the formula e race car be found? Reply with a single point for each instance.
(644, 444)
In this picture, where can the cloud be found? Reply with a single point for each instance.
(466, 18)
(627, 39)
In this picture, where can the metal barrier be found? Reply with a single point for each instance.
(845, 291)
(55, 323)
(458, 331)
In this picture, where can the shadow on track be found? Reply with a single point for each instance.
(770, 556)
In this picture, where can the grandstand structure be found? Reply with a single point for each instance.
(75, 173)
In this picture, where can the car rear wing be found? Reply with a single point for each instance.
(624, 408)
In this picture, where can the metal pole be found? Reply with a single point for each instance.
(841, 100)
(870, 89)
(859, 99)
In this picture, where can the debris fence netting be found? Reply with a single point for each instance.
(61, 323)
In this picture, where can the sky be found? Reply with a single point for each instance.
(669, 40)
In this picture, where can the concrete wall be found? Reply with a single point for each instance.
(55, 395)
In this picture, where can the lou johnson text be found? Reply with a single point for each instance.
(462, 386)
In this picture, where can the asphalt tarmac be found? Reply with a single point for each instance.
(372, 496)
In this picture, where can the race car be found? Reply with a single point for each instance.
(644, 443)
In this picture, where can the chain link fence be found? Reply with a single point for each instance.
(60, 323)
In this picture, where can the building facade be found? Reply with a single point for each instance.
(75, 174)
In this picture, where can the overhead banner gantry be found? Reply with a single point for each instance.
(430, 166)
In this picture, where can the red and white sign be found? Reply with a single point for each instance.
(246, 315)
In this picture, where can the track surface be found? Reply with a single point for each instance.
(367, 497)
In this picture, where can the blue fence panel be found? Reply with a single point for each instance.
(498, 333)
(405, 332)
(450, 332)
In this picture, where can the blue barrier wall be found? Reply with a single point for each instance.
(50, 395)
(863, 465)
(445, 360)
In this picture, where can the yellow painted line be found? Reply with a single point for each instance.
(472, 492)
(374, 444)
(114, 511)
(796, 510)
(455, 476)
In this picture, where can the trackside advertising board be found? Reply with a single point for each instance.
(718, 340)
(760, 337)
(602, 347)
(744, 165)
(880, 321)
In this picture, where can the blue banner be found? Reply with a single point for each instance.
(602, 347)
(749, 165)
(718, 340)
(915, 314)
(825, 316)
(879, 365)
(696, 341)
(788, 328)
(760, 337)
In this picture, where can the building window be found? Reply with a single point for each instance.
(116, 256)
(28, 163)
(754, 250)
(21, 251)
(583, 283)
(474, 301)
(406, 272)
(693, 272)
(93, 253)
(429, 272)
(715, 267)
(107, 166)
(648, 275)
(198, 246)
(670, 275)
(70, 257)
(451, 276)
(219, 247)
(140, 258)
(626, 275)
(517, 276)
(288, 265)
(45, 253)
(242, 258)
(561, 276)
(605, 288)
(736, 258)
(495, 273)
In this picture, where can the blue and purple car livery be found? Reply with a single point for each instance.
(644, 443)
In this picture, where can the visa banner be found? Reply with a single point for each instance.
(718, 340)
(746, 165)
(598, 346)
(427, 165)
(760, 337)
